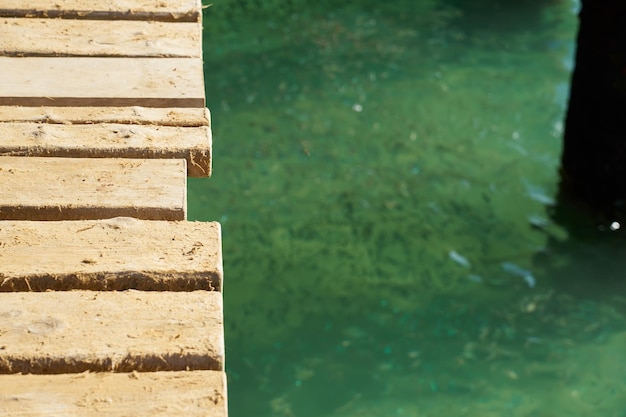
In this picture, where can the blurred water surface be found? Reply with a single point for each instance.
(385, 174)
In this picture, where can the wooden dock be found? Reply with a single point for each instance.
(110, 300)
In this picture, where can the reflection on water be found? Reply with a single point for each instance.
(386, 176)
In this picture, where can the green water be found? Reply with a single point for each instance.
(378, 167)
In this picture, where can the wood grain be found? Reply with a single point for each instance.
(163, 10)
(88, 189)
(110, 141)
(150, 394)
(114, 254)
(113, 38)
(149, 82)
(77, 331)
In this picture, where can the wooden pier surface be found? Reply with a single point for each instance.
(110, 300)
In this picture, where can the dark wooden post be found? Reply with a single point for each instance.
(593, 165)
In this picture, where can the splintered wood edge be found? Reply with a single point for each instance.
(154, 394)
(144, 331)
(110, 255)
(182, 16)
(166, 11)
(177, 117)
(113, 281)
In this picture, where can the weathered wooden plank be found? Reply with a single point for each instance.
(113, 38)
(153, 394)
(60, 332)
(114, 254)
(88, 188)
(150, 82)
(181, 117)
(110, 141)
(163, 10)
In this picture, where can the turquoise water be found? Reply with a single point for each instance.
(385, 174)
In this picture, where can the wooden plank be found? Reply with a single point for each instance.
(110, 141)
(113, 38)
(114, 254)
(180, 117)
(60, 332)
(153, 394)
(150, 82)
(163, 10)
(87, 188)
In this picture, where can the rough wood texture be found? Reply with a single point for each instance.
(149, 82)
(115, 254)
(163, 10)
(110, 141)
(181, 117)
(154, 394)
(77, 331)
(63, 37)
(87, 188)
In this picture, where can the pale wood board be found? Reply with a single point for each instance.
(110, 38)
(163, 10)
(153, 394)
(120, 331)
(88, 188)
(82, 81)
(181, 117)
(114, 254)
(110, 141)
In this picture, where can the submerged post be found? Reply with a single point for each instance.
(593, 165)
